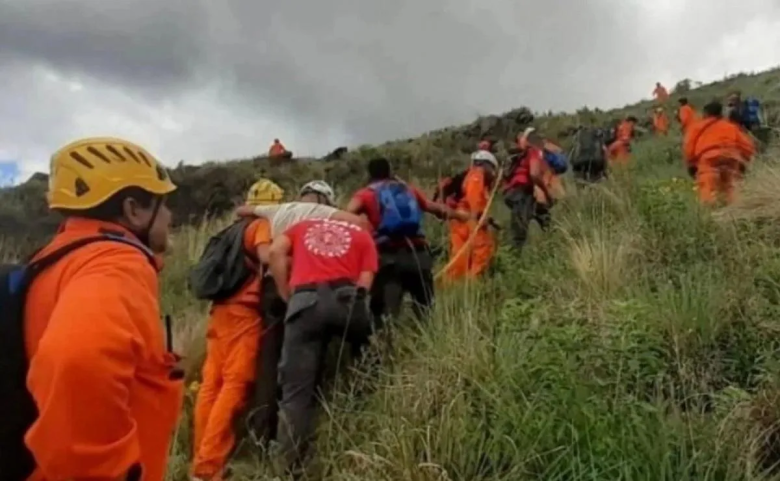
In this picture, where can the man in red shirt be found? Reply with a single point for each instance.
(526, 172)
(406, 263)
(323, 268)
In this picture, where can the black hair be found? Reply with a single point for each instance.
(713, 109)
(379, 169)
(683, 101)
(113, 209)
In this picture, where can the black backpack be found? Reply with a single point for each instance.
(451, 187)
(224, 266)
(588, 147)
(16, 402)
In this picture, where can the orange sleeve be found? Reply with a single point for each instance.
(689, 149)
(80, 377)
(474, 191)
(258, 233)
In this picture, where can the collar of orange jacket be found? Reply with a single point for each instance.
(79, 227)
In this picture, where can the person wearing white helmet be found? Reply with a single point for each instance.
(316, 200)
(476, 189)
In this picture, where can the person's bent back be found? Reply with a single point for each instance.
(103, 380)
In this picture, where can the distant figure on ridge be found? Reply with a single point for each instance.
(278, 151)
(660, 94)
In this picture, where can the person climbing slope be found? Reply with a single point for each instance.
(232, 344)
(394, 209)
(526, 172)
(686, 115)
(620, 149)
(716, 152)
(476, 188)
(101, 374)
(316, 200)
(323, 268)
(660, 121)
(660, 94)
(588, 155)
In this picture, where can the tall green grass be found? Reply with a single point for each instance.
(638, 340)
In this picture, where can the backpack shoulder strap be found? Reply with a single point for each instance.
(39, 265)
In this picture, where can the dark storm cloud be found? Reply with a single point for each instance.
(376, 68)
(149, 44)
(372, 68)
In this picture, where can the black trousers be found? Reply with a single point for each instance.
(401, 271)
(589, 172)
(524, 209)
(315, 315)
(264, 408)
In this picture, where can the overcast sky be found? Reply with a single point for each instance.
(199, 80)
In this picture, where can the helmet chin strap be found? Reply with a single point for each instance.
(146, 233)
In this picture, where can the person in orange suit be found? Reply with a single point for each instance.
(277, 150)
(660, 93)
(686, 115)
(104, 379)
(620, 150)
(232, 340)
(476, 188)
(660, 121)
(716, 152)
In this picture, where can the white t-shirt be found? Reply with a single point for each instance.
(284, 216)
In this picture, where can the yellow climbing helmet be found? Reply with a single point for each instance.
(87, 172)
(264, 192)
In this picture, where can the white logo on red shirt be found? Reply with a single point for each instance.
(328, 238)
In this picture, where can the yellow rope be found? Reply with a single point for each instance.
(473, 235)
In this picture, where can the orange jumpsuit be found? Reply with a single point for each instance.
(100, 371)
(476, 193)
(232, 341)
(619, 151)
(661, 123)
(687, 117)
(717, 148)
(277, 150)
(660, 93)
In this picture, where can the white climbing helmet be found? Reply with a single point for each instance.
(481, 156)
(319, 187)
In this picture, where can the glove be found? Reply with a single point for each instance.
(692, 169)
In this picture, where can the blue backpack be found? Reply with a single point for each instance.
(751, 112)
(557, 161)
(400, 212)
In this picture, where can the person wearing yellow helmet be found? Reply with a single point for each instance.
(233, 346)
(106, 391)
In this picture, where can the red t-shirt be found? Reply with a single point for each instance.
(522, 173)
(326, 250)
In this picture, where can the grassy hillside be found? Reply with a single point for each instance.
(636, 341)
(213, 188)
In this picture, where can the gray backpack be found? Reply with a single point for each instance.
(588, 147)
(224, 267)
